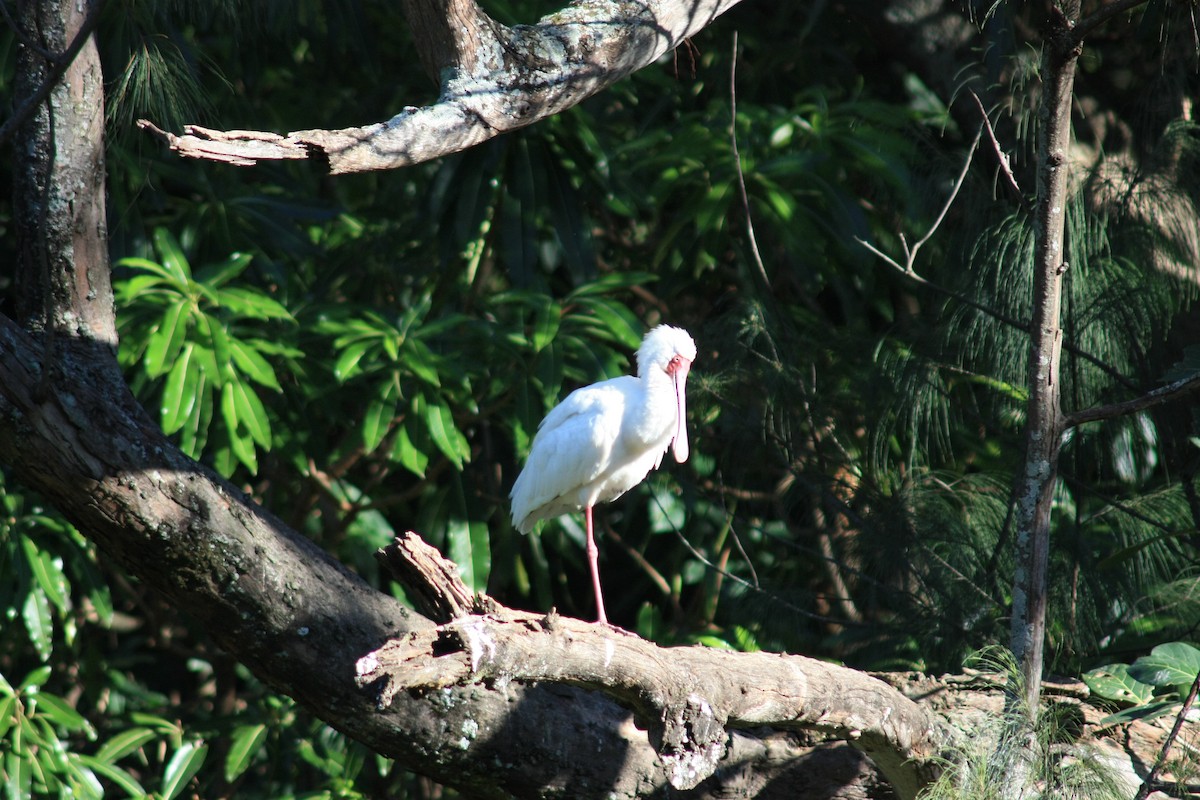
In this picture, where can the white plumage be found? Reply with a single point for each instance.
(603, 439)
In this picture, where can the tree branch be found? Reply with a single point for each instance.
(686, 696)
(1156, 397)
(1100, 16)
(494, 79)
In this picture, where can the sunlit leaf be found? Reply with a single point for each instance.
(253, 365)
(121, 778)
(1172, 664)
(166, 340)
(247, 741)
(125, 742)
(184, 764)
(251, 413)
(176, 263)
(34, 679)
(1113, 682)
(180, 392)
(469, 547)
(57, 711)
(440, 421)
(377, 419)
(347, 364)
(250, 303)
(47, 572)
(39, 623)
(224, 271)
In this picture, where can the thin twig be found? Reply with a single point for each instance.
(1152, 779)
(1001, 156)
(1157, 397)
(737, 162)
(958, 184)
(910, 254)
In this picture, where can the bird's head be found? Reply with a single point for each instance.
(671, 350)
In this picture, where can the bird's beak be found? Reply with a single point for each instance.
(679, 445)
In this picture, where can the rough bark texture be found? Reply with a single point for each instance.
(493, 79)
(62, 281)
(686, 698)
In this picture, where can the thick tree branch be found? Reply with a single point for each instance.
(688, 697)
(494, 79)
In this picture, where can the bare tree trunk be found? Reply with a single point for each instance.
(1035, 492)
(63, 283)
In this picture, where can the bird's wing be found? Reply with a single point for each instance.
(573, 447)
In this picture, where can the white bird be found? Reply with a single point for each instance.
(604, 439)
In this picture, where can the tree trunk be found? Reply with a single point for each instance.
(1035, 492)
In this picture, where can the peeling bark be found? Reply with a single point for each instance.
(685, 696)
(493, 79)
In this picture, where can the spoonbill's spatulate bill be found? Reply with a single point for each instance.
(603, 440)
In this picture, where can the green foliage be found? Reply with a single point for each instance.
(201, 345)
(1154, 685)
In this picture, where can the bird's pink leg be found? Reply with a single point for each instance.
(593, 554)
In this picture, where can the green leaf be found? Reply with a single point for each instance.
(546, 320)
(1113, 682)
(18, 768)
(221, 349)
(7, 717)
(168, 337)
(185, 763)
(123, 780)
(1174, 664)
(180, 392)
(421, 361)
(447, 437)
(251, 303)
(470, 547)
(241, 446)
(168, 249)
(610, 283)
(34, 679)
(411, 457)
(379, 415)
(122, 744)
(194, 433)
(47, 571)
(252, 413)
(1142, 713)
(35, 612)
(82, 778)
(617, 320)
(163, 274)
(347, 363)
(253, 365)
(224, 271)
(57, 711)
(247, 741)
